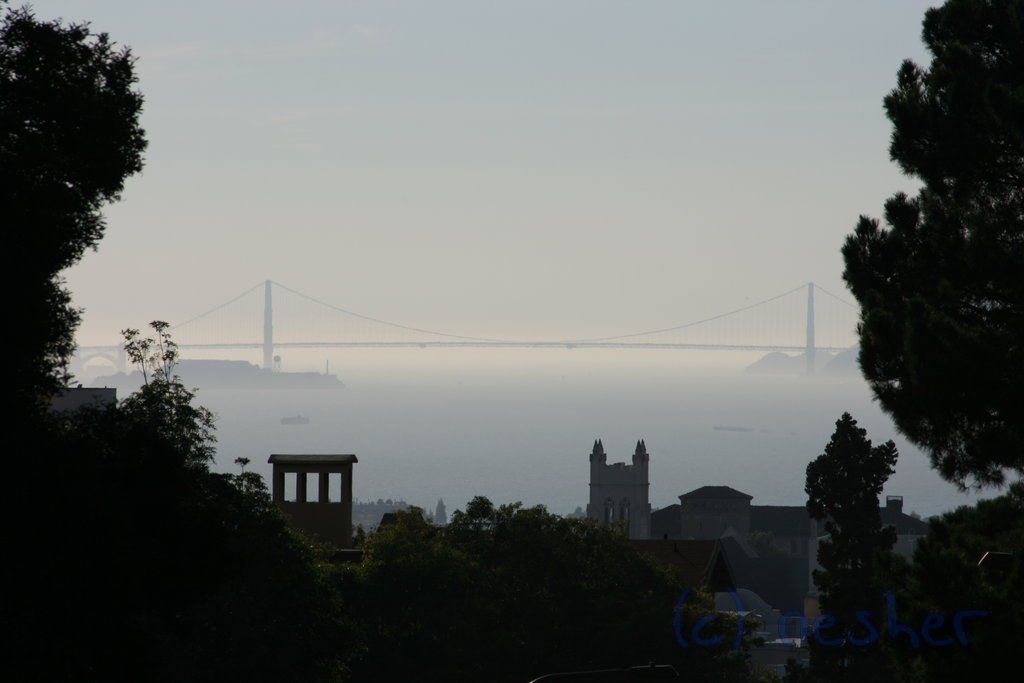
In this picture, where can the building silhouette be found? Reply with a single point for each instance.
(441, 513)
(70, 399)
(327, 514)
(780, 568)
(619, 492)
(368, 514)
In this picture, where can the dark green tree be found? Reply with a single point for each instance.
(139, 563)
(69, 136)
(942, 299)
(947, 577)
(163, 401)
(130, 559)
(507, 593)
(843, 486)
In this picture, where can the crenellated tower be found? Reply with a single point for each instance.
(619, 493)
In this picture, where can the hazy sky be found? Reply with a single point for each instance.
(510, 168)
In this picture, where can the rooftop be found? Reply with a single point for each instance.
(313, 459)
(700, 563)
(718, 492)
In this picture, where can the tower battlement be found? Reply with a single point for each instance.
(619, 492)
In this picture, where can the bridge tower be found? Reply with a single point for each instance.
(809, 352)
(268, 327)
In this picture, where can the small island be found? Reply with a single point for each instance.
(229, 374)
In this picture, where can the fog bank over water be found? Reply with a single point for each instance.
(517, 425)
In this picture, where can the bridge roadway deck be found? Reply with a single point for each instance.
(482, 345)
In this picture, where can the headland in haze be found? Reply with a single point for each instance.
(842, 364)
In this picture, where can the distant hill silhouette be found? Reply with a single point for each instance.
(228, 374)
(832, 364)
(777, 363)
(844, 364)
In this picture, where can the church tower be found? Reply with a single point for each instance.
(619, 493)
(441, 513)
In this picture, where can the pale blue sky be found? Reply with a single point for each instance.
(515, 168)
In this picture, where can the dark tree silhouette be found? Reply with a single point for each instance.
(139, 563)
(506, 593)
(843, 486)
(130, 559)
(940, 287)
(69, 136)
(946, 577)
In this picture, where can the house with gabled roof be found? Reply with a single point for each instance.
(782, 576)
(698, 564)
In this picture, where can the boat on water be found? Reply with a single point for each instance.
(731, 428)
(295, 420)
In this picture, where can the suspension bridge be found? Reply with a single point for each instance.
(270, 316)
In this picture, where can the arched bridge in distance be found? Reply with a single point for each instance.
(271, 316)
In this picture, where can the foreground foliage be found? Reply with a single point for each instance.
(843, 487)
(152, 567)
(942, 300)
(507, 593)
(69, 136)
(946, 577)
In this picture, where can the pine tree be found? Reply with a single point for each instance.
(843, 487)
(942, 299)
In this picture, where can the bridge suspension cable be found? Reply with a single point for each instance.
(779, 322)
(407, 328)
(837, 298)
(217, 308)
(689, 324)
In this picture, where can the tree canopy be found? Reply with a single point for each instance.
(940, 288)
(507, 593)
(949, 576)
(69, 136)
(138, 563)
(843, 486)
(132, 560)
